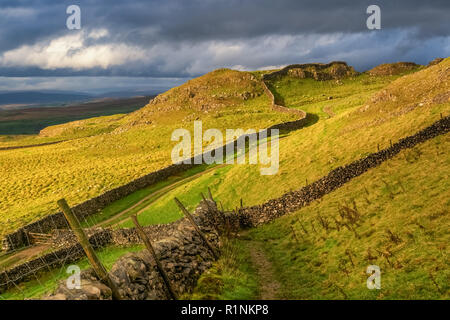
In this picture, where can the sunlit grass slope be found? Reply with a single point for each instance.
(364, 120)
(402, 206)
(309, 153)
(401, 225)
(124, 148)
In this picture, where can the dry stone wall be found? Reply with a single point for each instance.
(181, 251)
(67, 249)
(185, 256)
(292, 201)
(335, 70)
(20, 238)
(300, 113)
(29, 146)
(62, 256)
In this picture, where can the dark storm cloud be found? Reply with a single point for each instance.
(227, 19)
(186, 38)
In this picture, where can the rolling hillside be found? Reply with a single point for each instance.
(119, 149)
(402, 204)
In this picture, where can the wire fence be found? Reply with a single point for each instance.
(39, 266)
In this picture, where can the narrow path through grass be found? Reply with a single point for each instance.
(269, 287)
(150, 199)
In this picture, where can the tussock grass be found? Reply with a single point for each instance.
(231, 278)
(394, 216)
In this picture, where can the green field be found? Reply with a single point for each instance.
(403, 204)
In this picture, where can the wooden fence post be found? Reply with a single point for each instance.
(86, 245)
(150, 248)
(191, 219)
(206, 201)
(210, 195)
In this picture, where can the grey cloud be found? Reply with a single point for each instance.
(178, 34)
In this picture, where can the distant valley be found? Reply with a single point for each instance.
(17, 117)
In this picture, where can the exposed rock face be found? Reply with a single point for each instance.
(317, 71)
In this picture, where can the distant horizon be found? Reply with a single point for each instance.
(122, 83)
(88, 85)
(155, 45)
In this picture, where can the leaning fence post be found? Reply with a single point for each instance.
(150, 248)
(191, 219)
(210, 195)
(86, 245)
(206, 201)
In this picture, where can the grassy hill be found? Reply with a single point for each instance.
(111, 151)
(402, 226)
(369, 112)
(402, 204)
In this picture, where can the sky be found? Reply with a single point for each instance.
(154, 45)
